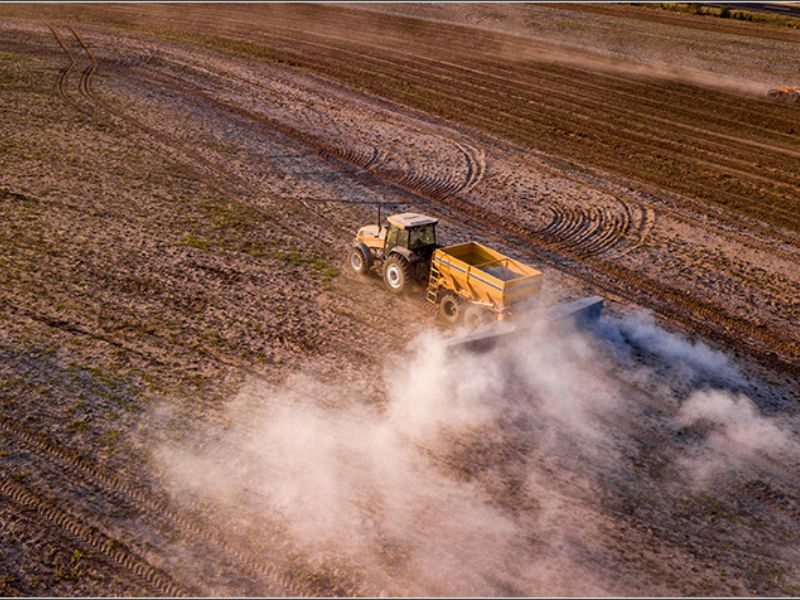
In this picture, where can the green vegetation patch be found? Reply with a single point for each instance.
(318, 264)
(233, 227)
(196, 242)
(71, 571)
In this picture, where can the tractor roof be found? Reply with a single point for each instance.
(406, 220)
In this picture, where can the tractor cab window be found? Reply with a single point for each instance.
(422, 236)
(395, 237)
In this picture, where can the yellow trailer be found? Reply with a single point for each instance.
(472, 282)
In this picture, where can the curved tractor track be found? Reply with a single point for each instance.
(455, 182)
(85, 85)
(593, 231)
(192, 158)
(64, 73)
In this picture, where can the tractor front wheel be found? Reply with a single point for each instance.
(359, 263)
(396, 274)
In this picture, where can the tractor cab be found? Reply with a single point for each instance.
(404, 231)
(411, 231)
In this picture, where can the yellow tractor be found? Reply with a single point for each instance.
(470, 283)
(402, 248)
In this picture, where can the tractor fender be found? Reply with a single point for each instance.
(368, 259)
(409, 255)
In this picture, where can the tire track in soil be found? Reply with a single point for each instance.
(156, 581)
(476, 166)
(22, 527)
(589, 232)
(435, 183)
(645, 226)
(63, 73)
(677, 208)
(85, 85)
(85, 88)
(112, 486)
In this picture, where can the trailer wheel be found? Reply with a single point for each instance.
(475, 315)
(359, 263)
(396, 274)
(450, 308)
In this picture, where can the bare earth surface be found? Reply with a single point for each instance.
(197, 398)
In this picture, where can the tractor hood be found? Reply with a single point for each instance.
(371, 231)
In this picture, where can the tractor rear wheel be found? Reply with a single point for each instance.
(396, 274)
(450, 308)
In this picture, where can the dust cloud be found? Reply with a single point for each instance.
(737, 435)
(597, 60)
(611, 52)
(473, 474)
(694, 360)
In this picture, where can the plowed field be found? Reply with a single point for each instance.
(178, 188)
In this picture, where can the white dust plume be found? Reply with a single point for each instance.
(469, 474)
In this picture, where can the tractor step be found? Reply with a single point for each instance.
(433, 284)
